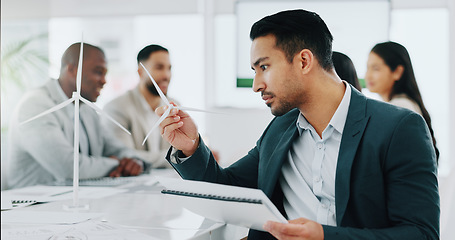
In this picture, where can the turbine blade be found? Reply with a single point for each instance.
(165, 114)
(79, 67)
(101, 112)
(195, 110)
(163, 97)
(50, 110)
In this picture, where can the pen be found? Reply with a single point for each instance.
(57, 194)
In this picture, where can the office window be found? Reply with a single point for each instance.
(131, 35)
(425, 33)
(121, 38)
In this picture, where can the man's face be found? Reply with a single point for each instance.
(93, 74)
(159, 66)
(275, 78)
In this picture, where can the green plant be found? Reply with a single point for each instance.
(20, 62)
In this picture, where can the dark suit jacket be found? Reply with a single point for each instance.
(386, 185)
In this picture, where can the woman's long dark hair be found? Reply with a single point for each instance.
(394, 55)
(345, 69)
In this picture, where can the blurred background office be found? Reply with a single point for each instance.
(210, 55)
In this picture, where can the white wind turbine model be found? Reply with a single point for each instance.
(76, 98)
(170, 106)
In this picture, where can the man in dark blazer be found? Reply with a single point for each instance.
(384, 170)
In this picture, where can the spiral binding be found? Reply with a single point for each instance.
(211, 196)
(22, 201)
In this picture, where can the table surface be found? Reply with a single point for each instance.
(141, 208)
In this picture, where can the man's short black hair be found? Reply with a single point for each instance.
(295, 30)
(144, 54)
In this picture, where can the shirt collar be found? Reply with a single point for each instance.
(61, 97)
(61, 93)
(339, 117)
(302, 123)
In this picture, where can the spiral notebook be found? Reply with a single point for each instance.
(239, 206)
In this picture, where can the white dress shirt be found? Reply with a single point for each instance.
(308, 176)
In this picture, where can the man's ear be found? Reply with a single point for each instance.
(142, 74)
(306, 60)
(398, 73)
(72, 69)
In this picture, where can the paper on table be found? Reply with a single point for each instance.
(44, 217)
(87, 230)
(41, 193)
(6, 203)
(105, 181)
(251, 215)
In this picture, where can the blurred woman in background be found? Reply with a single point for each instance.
(390, 74)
